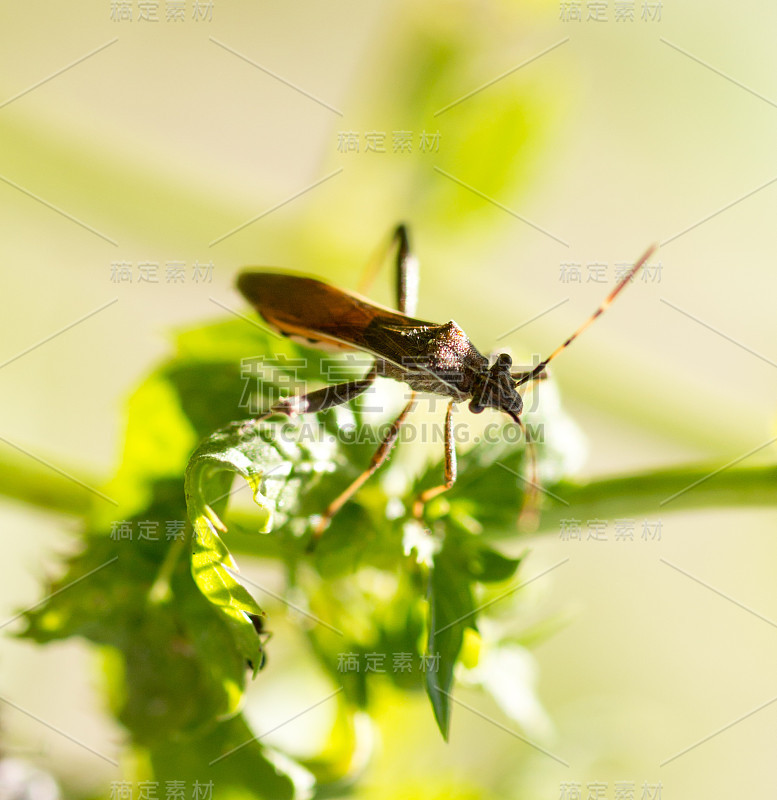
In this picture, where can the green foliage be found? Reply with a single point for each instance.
(156, 584)
(159, 589)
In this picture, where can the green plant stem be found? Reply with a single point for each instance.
(44, 488)
(661, 492)
(646, 493)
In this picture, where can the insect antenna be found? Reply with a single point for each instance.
(524, 377)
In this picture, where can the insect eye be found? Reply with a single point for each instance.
(474, 407)
(504, 360)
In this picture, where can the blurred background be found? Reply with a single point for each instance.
(149, 150)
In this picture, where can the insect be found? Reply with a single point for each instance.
(427, 357)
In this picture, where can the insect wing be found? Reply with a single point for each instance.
(321, 315)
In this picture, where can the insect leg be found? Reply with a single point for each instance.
(406, 271)
(450, 468)
(322, 399)
(381, 454)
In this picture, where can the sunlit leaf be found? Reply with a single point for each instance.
(275, 462)
(451, 611)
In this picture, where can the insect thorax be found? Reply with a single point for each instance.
(439, 359)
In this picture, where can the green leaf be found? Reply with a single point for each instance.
(489, 566)
(229, 759)
(174, 668)
(451, 612)
(373, 623)
(463, 561)
(276, 463)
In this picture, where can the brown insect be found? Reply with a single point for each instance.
(439, 359)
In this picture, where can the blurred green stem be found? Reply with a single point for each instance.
(662, 492)
(649, 493)
(43, 488)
